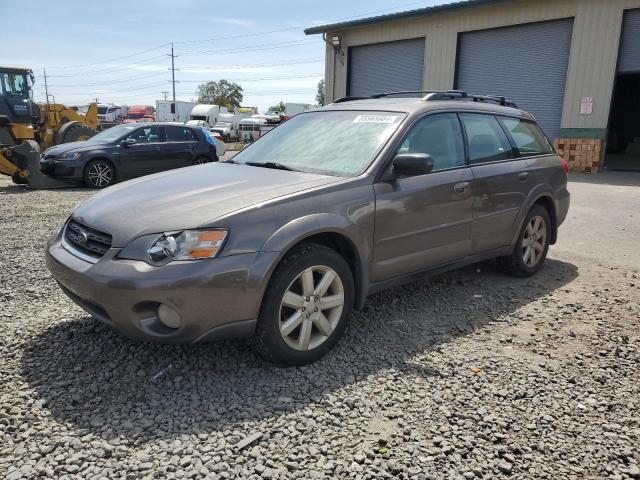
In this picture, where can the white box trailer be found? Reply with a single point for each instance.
(291, 109)
(204, 115)
(166, 111)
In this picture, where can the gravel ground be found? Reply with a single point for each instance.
(469, 375)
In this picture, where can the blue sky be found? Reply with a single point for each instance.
(117, 50)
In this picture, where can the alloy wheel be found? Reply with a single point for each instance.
(100, 174)
(534, 240)
(311, 308)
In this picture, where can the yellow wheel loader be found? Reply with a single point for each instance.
(26, 128)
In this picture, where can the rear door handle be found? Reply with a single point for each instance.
(523, 176)
(461, 187)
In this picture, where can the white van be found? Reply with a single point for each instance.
(249, 128)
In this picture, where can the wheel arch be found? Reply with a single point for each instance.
(549, 205)
(545, 199)
(332, 231)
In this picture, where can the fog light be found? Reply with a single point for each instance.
(169, 317)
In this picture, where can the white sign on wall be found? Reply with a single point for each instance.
(586, 106)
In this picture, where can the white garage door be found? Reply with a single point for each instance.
(386, 67)
(525, 63)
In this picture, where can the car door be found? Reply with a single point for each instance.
(500, 182)
(181, 147)
(425, 221)
(145, 154)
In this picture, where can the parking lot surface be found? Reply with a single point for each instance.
(471, 374)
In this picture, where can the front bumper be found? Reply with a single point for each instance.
(69, 169)
(217, 298)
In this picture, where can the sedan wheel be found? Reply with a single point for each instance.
(534, 241)
(99, 174)
(311, 308)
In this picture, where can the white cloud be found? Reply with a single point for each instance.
(236, 22)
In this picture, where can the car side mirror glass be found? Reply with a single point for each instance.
(128, 142)
(412, 164)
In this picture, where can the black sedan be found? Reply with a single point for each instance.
(128, 151)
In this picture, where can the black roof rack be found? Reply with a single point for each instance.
(462, 95)
(350, 99)
(434, 95)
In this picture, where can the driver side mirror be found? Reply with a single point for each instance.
(127, 142)
(412, 164)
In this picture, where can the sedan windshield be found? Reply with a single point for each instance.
(341, 143)
(112, 134)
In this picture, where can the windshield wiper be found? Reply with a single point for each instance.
(274, 165)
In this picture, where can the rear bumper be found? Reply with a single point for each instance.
(563, 200)
(218, 298)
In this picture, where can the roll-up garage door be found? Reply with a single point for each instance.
(630, 46)
(386, 67)
(525, 63)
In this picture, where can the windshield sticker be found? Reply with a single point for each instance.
(375, 119)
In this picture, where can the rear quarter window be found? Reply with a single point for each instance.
(527, 136)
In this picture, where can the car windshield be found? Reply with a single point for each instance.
(112, 134)
(341, 143)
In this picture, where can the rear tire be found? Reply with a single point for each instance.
(532, 246)
(77, 133)
(306, 307)
(99, 174)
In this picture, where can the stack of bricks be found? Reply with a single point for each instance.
(582, 154)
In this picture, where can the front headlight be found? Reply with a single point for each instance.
(187, 245)
(69, 156)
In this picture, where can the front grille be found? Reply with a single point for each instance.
(87, 240)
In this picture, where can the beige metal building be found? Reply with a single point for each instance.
(574, 64)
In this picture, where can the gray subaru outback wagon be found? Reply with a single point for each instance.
(282, 242)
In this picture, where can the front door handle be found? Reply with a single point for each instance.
(461, 187)
(523, 176)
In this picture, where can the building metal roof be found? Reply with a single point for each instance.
(420, 12)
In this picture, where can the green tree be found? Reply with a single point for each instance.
(320, 94)
(278, 107)
(223, 93)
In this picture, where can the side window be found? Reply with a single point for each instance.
(527, 136)
(487, 140)
(179, 134)
(147, 135)
(441, 137)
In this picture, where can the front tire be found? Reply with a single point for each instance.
(306, 306)
(532, 246)
(99, 174)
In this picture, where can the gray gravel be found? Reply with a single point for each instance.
(470, 375)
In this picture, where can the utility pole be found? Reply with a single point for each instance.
(46, 88)
(173, 82)
(173, 73)
(165, 93)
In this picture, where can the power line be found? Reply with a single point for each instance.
(266, 46)
(288, 77)
(141, 63)
(112, 59)
(296, 61)
(109, 82)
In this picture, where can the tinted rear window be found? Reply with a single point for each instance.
(487, 140)
(179, 134)
(527, 136)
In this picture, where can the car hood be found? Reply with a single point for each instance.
(71, 147)
(189, 197)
